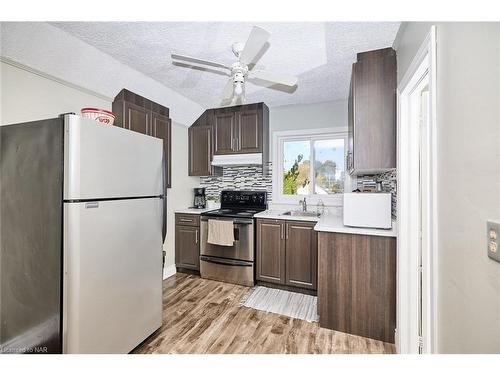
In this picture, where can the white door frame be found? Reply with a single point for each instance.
(411, 142)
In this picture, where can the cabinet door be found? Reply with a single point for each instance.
(271, 251)
(301, 254)
(357, 284)
(138, 119)
(187, 247)
(374, 108)
(200, 138)
(249, 131)
(224, 133)
(162, 128)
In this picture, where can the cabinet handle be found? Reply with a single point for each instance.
(186, 220)
(281, 231)
(196, 236)
(287, 230)
(237, 144)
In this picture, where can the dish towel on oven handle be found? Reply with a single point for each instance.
(220, 232)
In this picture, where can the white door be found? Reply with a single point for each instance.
(112, 274)
(103, 161)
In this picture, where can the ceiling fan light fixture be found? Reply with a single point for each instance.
(247, 53)
(238, 88)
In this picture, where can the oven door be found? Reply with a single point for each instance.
(243, 240)
(228, 270)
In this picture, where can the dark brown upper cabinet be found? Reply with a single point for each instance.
(162, 128)
(287, 253)
(201, 146)
(200, 154)
(225, 131)
(372, 113)
(137, 118)
(249, 131)
(240, 129)
(144, 116)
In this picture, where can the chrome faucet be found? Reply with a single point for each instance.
(304, 204)
(320, 207)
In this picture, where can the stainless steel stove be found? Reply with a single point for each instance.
(236, 263)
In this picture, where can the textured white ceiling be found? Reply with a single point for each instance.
(320, 54)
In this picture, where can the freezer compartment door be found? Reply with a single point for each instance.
(103, 161)
(112, 274)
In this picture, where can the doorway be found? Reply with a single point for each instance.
(417, 209)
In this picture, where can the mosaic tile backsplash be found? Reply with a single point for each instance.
(389, 185)
(238, 178)
(251, 178)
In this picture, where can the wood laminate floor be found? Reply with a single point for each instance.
(204, 316)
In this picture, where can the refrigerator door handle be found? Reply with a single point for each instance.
(164, 197)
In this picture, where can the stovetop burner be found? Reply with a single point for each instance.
(240, 204)
(232, 213)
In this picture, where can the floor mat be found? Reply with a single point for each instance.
(294, 305)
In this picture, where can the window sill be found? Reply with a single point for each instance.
(331, 201)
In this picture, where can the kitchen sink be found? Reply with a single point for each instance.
(301, 213)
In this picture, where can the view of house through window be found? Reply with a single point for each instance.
(313, 165)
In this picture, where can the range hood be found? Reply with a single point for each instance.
(237, 159)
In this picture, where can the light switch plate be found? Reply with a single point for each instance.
(493, 239)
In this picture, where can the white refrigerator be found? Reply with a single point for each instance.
(103, 186)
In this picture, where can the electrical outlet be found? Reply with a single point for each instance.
(493, 239)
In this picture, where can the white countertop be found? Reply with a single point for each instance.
(194, 211)
(334, 224)
(329, 223)
(278, 214)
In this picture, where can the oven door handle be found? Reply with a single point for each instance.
(228, 262)
(235, 222)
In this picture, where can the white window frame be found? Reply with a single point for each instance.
(279, 137)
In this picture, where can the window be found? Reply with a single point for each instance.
(309, 164)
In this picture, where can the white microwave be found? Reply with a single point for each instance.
(368, 210)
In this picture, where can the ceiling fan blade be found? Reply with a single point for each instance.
(227, 93)
(257, 39)
(282, 79)
(198, 61)
(201, 68)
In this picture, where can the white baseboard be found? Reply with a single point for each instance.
(169, 271)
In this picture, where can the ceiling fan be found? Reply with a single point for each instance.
(247, 55)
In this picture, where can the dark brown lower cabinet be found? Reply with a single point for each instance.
(271, 251)
(287, 253)
(357, 284)
(187, 246)
(301, 254)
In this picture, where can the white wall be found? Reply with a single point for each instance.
(50, 50)
(468, 121)
(28, 97)
(331, 114)
(180, 195)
